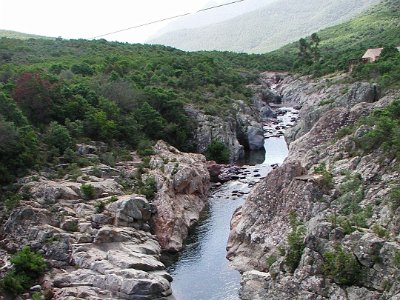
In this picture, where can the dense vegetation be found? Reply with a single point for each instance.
(55, 93)
(377, 27)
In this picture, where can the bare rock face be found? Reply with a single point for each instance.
(96, 248)
(239, 131)
(183, 183)
(274, 198)
(259, 243)
(318, 97)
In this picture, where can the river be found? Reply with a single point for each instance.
(201, 271)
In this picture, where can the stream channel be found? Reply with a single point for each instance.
(201, 271)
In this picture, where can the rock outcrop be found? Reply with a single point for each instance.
(183, 183)
(294, 225)
(101, 240)
(239, 129)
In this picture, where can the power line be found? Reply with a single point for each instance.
(168, 18)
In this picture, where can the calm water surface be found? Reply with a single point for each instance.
(201, 271)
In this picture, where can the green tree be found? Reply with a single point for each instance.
(217, 151)
(152, 122)
(58, 136)
(11, 112)
(389, 52)
(98, 126)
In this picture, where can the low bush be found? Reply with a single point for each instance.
(295, 243)
(342, 267)
(28, 266)
(217, 151)
(88, 191)
(270, 261)
(327, 177)
(394, 197)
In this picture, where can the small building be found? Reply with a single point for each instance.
(372, 54)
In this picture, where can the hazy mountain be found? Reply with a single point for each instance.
(20, 35)
(266, 28)
(214, 16)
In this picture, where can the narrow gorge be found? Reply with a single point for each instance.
(323, 225)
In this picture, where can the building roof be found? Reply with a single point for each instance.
(372, 53)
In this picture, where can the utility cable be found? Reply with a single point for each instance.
(168, 18)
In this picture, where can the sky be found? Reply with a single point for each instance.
(72, 19)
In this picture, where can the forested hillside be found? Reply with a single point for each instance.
(267, 28)
(56, 93)
(338, 45)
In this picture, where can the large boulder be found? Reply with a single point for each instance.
(131, 211)
(183, 182)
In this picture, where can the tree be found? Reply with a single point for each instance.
(314, 47)
(152, 122)
(18, 150)
(28, 266)
(304, 52)
(217, 151)
(58, 136)
(98, 126)
(32, 94)
(389, 52)
(309, 51)
(11, 112)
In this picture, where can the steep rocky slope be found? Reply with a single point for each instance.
(321, 226)
(96, 234)
(239, 129)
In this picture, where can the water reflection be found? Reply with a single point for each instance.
(201, 271)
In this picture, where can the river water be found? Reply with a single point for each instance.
(201, 271)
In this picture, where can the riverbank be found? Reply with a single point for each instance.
(201, 271)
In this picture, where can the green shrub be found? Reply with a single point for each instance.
(147, 187)
(351, 194)
(394, 197)
(326, 102)
(380, 231)
(295, 243)
(113, 199)
(344, 131)
(87, 191)
(96, 172)
(100, 206)
(327, 177)
(270, 261)
(145, 148)
(12, 200)
(217, 151)
(342, 267)
(28, 266)
(397, 258)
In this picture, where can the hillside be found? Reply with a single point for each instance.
(20, 35)
(213, 16)
(267, 28)
(379, 26)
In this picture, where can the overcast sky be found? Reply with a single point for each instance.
(90, 18)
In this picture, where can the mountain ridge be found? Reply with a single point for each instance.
(281, 19)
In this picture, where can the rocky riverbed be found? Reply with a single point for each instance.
(202, 271)
(296, 201)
